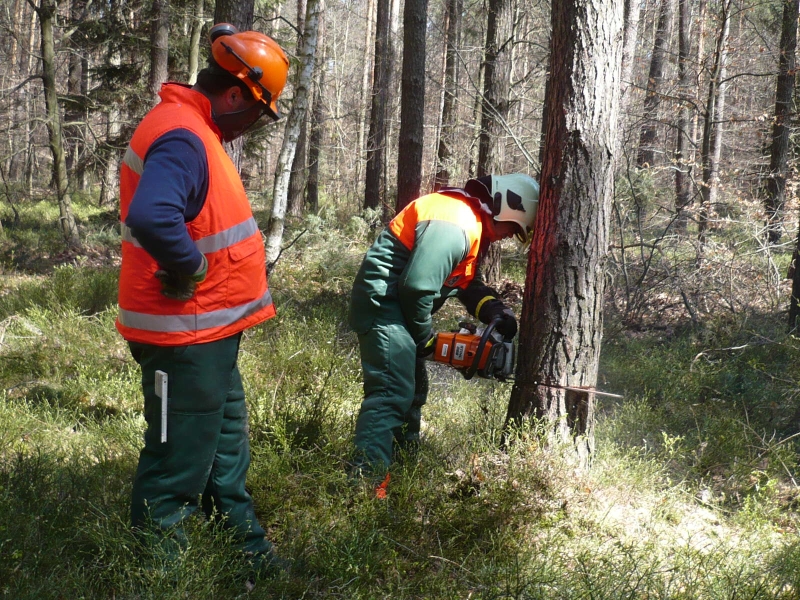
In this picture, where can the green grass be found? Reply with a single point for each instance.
(688, 497)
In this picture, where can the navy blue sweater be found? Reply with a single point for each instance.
(171, 192)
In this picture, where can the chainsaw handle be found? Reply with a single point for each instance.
(470, 371)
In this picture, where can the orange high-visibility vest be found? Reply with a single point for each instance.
(441, 207)
(234, 295)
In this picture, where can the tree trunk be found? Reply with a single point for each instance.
(412, 103)
(159, 47)
(781, 130)
(630, 36)
(315, 138)
(375, 181)
(194, 41)
(447, 138)
(366, 86)
(712, 128)
(69, 228)
(652, 99)
(494, 108)
(297, 115)
(297, 178)
(683, 143)
(561, 328)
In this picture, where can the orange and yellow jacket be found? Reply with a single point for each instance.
(428, 253)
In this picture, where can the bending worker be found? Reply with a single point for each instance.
(193, 277)
(428, 253)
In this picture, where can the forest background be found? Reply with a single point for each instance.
(691, 491)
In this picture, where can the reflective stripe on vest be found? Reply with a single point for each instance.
(211, 243)
(134, 161)
(176, 323)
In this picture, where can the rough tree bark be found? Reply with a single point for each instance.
(778, 165)
(315, 138)
(652, 99)
(561, 325)
(375, 182)
(46, 12)
(449, 91)
(297, 115)
(412, 103)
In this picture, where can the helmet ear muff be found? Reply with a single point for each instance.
(221, 29)
(497, 203)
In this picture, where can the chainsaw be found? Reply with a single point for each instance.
(473, 351)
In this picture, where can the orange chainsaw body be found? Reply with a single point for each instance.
(459, 349)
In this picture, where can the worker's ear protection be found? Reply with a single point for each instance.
(221, 29)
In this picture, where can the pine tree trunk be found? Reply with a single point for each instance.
(194, 41)
(712, 128)
(683, 143)
(494, 108)
(447, 138)
(561, 326)
(159, 47)
(69, 228)
(412, 103)
(781, 130)
(375, 182)
(652, 99)
(297, 115)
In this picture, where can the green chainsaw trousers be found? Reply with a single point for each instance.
(395, 389)
(207, 452)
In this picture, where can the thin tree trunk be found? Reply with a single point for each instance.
(375, 182)
(447, 139)
(296, 116)
(781, 130)
(366, 86)
(69, 228)
(712, 129)
(561, 328)
(412, 103)
(494, 108)
(194, 41)
(315, 141)
(297, 178)
(683, 143)
(652, 100)
(159, 47)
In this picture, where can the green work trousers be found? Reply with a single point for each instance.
(207, 452)
(395, 389)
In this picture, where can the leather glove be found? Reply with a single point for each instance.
(427, 346)
(179, 286)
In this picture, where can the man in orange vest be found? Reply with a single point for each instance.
(428, 253)
(193, 277)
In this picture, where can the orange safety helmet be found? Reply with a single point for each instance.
(254, 58)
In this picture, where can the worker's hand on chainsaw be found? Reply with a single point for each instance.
(427, 346)
(505, 322)
(179, 286)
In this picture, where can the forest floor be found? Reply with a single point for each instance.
(691, 493)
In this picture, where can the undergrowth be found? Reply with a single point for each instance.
(691, 494)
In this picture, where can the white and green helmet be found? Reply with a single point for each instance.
(515, 197)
